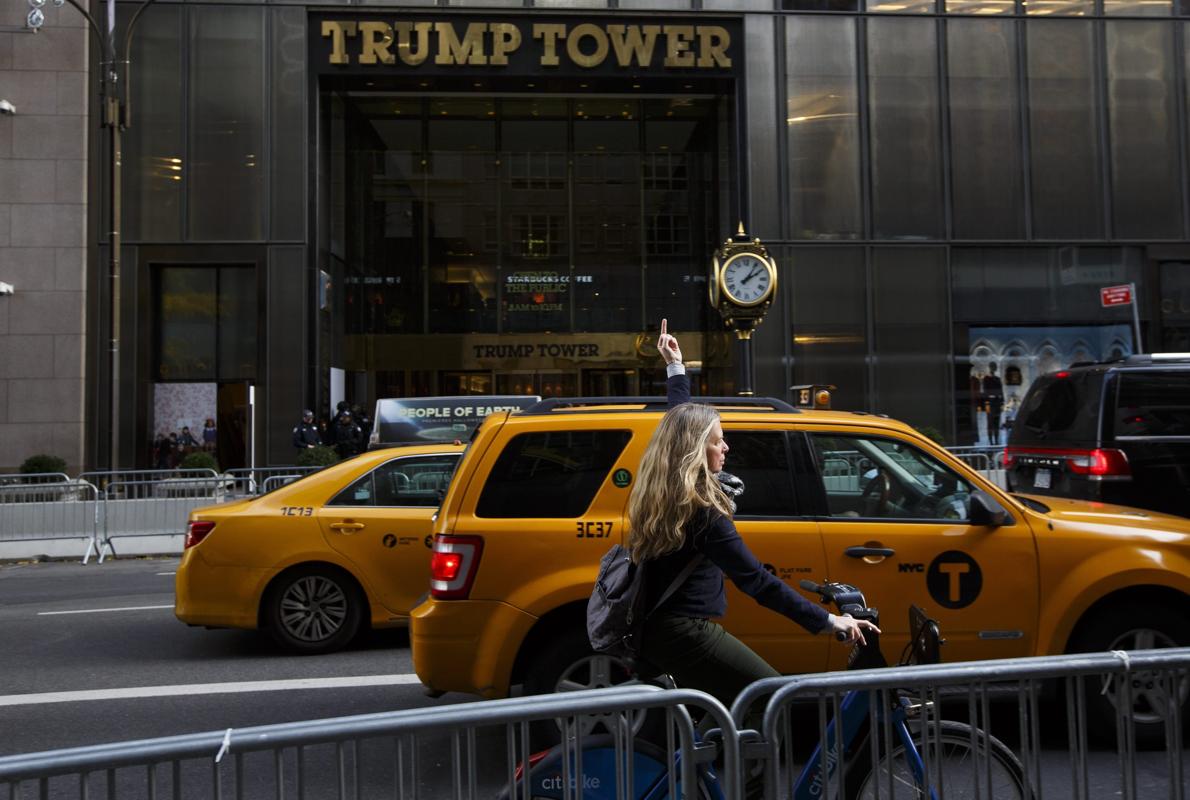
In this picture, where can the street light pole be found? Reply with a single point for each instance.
(114, 117)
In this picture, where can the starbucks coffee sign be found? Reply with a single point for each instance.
(532, 45)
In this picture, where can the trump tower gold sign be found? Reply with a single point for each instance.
(526, 45)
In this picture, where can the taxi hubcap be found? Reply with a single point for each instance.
(313, 608)
(598, 672)
(1150, 691)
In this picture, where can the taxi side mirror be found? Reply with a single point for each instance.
(985, 512)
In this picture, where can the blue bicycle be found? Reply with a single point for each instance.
(942, 760)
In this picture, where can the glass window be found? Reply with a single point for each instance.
(829, 289)
(877, 478)
(902, 6)
(1059, 8)
(1138, 8)
(1067, 179)
(551, 474)
(820, 5)
(227, 107)
(288, 96)
(1142, 114)
(1153, 404)
(401, 482)
(906, 168)
(822, 123)
(761, 461)
(207, 318)
(987, 181)
(910, 295)
(154, 168)
(1060, 409)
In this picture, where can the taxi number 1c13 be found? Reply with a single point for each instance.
(297, 511)
(593, 530)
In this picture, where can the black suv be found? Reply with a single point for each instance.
(1116, 432)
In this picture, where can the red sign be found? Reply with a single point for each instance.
(1116, 295)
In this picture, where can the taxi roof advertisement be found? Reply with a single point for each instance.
(425, 420)
(342, 42)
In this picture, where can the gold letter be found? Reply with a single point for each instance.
(677, 45)
(506, 38)
(575, 52)
(409, 55)
(468, 51)
(549, 35)
(627, 43)
(371, 47)
(336, 31)
(713, 42)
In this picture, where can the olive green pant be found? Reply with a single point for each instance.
(699, 654)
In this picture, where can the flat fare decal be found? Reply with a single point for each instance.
(555, 44)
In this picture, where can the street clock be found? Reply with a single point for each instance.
(742, 283)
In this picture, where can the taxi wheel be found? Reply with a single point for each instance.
(1132, 627)
(568, 664)
(313, 609)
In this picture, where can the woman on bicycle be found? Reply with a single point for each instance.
(678, 511)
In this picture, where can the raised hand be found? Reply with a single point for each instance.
(668, 345)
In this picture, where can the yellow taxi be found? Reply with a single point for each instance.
(541, 495)
(316, 560)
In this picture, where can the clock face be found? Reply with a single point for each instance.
(747, 279)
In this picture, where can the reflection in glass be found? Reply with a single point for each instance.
(236, 323)
(186, 303)
(981, 7)
(1067, 179)
(906, 169)
(1058, 8)
(154, 169)
(227, 106)
(1138, 8)
(987, 182)
(902, 6)
(830, 342)
(823, 127)
(1142, 114)
(910, 296)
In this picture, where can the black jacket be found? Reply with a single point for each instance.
(305, 434)
(702, 595)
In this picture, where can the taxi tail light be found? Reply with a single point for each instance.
(196, 531)
(453, 565)
(1100, 462)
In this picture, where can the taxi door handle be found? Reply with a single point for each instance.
(347, 527)
(869, 552)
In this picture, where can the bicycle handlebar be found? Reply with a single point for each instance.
(848, 599)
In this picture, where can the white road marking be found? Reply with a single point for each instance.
(187, 690)
(167, 573)
(100, 610)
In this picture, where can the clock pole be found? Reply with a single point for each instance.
(742, 285)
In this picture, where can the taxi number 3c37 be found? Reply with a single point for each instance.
(593, 530)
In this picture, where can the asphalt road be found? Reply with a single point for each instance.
(92, 654)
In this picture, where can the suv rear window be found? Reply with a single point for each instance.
(1153, 404)
(1062, 409)
(550, 474)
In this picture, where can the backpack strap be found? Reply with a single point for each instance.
(676, 583)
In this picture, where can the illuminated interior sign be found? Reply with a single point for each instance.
(524, 45)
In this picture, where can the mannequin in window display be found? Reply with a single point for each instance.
(991, 392)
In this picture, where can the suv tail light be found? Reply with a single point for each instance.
(1009, 457)
(453, 565)
(1100, 463)
(196, 531)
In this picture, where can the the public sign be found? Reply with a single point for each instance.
(1116, 295)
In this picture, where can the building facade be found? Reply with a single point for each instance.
(349, 202)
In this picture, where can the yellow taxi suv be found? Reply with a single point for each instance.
(540, 495)
(317, 560)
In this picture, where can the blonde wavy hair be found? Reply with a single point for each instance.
(674, 482)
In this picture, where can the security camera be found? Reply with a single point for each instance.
(6, 288)
(7, 108)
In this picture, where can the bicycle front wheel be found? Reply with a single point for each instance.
(963, 763)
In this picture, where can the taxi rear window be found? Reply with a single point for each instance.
(550, 474)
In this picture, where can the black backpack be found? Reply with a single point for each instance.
(615, 612)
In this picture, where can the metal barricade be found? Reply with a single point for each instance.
(472, 750)
(249, 482)
(137, 508)
(987, 460)
(48, 506)
(965, 709)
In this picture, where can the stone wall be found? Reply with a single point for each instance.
(43, 225)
